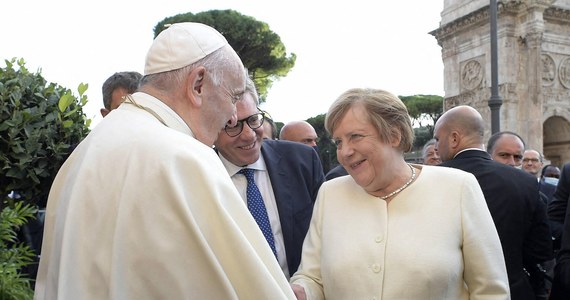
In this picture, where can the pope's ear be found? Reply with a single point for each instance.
(195, 85)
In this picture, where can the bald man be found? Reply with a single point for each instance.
(300, 132)
(512, 195)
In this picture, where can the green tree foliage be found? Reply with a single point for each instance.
(40, 123)
(14, 256)
(260, 49)
(424, 110)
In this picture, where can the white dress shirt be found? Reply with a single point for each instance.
(263, 182)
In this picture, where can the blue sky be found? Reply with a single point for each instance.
(358, 43)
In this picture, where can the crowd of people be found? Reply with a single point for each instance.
(186, 190)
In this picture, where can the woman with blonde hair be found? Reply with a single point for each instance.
(394, 230)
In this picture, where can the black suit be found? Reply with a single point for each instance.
(335, 172)
(296, 174)
(520, 217)
(559, 202)
(561, 283)
(559, 214)
(547, 189)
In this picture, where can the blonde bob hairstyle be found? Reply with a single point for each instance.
(386, 112)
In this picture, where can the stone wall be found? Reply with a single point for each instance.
(533, 67)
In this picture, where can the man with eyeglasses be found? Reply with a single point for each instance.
(143, 208)
(287, 176)
(532, 162)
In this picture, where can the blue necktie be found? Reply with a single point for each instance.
(257, 208)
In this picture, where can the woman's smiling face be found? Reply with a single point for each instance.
(361, 151)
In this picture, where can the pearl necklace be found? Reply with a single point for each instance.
(403, 186)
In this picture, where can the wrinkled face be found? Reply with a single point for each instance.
(361, 152)
(220, 101)
(245, 148)
(531, 162)
(432, 157)
(508, 150)
(442, 142)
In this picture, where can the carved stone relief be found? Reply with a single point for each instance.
(564, 72)
(548, 70)
(471, 75)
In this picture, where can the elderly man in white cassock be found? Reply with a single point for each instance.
(143, 208)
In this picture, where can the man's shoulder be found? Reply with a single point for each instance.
(285, 144)
(482, 167)
(565, 168)
(290, 156)
(285, 147)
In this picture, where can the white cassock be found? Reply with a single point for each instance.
(141, 210)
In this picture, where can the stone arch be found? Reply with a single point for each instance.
(556, 140)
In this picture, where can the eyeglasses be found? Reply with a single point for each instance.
(254, 121)
(533, 160)
(266, 115)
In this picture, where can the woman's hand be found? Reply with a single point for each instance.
(299, 292)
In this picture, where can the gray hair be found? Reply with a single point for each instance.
(426, 146)
(251, 89)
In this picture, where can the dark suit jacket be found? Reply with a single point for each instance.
(547, 189)
(559, 202)
(520, 216)
(559, 214)
(296, 174)
(335, 172)
(561, 282)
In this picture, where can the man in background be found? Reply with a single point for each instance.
(532, 162)
(269, 128)
(116, 87)
(507, 148)
(429, 154)
(285, 175)
(300, 132)
(557, 209)
(559, 214)
(512, 195)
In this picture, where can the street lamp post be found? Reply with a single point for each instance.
(495, 101)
